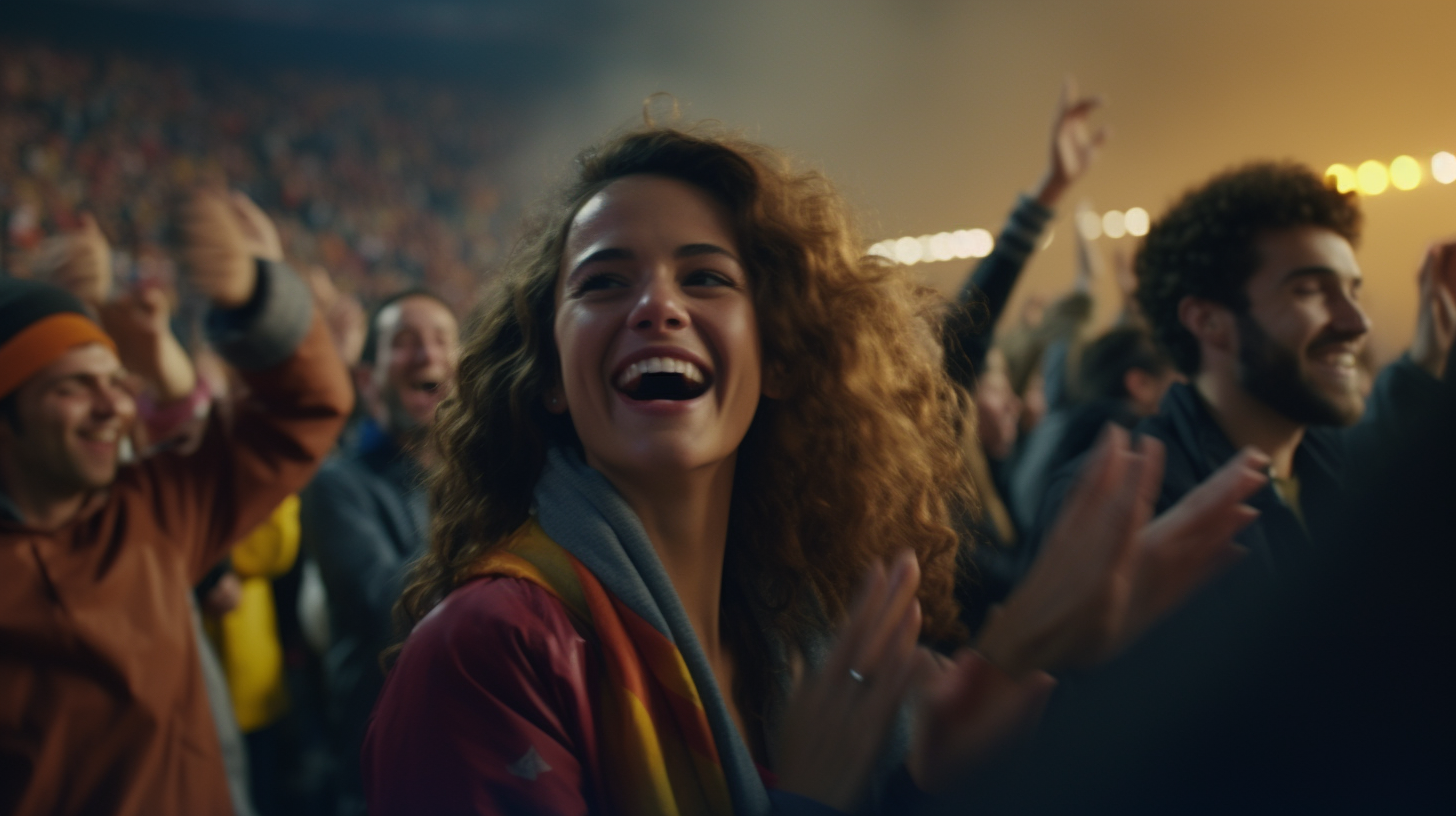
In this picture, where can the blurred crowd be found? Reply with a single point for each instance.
(384, 183)
(654, 556)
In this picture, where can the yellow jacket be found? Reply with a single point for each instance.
(247, 637)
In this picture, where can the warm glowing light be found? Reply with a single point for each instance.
(1343, 177)
(926, 255)
(1443, 167)
(1113, 225)
(1089, 225)
(981, 242)
(884, 249)
(908, 251)
(1372, 177)
(1137, 222)
(1405, 173)
(942, 247)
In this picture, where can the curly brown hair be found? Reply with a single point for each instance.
(856, 458)
(1204, 245)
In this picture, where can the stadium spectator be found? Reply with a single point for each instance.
(365, 516)
(987, 561)
(1121, 378)
(694, 417)
(1250, 283)
(104, 707)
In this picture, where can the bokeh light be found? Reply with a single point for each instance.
(926, 254)
(1443, 167)
(942, 247)
(1137, 221)
(1089, 224)
(981, 243)
(1405, 173)
(907, 251)
(1113, 225)
(1372, 177)
(1342, 176)
(884, 249)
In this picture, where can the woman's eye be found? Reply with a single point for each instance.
(597, 283)
(707, 277)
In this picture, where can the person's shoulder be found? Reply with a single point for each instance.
(495, 618)
(341, 476)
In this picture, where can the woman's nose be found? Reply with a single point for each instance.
(659, 306)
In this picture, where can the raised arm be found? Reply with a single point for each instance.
(262, 322)
(986, 292)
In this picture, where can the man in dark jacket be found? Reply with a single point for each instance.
(365, 516)
(1250, 283)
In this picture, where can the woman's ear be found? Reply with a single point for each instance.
(555, 400)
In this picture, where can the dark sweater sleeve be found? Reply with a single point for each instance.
(489, 710)
(984, 295)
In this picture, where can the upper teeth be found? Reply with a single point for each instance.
(659, 365)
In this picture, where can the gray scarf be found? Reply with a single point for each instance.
(581, 511)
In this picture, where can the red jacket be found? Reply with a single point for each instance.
(489, 709)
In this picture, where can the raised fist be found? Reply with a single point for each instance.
(222, 236)
(77, 261)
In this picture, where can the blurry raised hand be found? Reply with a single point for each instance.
(139, 322)
(77, 261)
(221, 237)
(1074, 143)
(343, 313)
(1106, 572)
(1436, 323)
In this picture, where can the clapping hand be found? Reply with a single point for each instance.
(1436, 324)
(139, 322)
(1107, 572)
(222, 236)
(79, 262)
(836, 722)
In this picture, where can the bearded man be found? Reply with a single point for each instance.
(1251, 285)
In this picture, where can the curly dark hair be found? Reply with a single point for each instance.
(856, 460)
(1204, 245)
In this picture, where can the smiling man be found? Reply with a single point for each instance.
(1250, 283)
(365, 515)
(103, 707)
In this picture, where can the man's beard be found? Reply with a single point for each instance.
(1271, 373)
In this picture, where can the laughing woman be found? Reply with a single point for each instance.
(692, 520)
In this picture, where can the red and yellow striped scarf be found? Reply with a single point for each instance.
(658, 753)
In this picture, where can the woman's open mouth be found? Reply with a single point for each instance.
(663, 378)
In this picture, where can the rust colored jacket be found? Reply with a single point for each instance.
(102, 702)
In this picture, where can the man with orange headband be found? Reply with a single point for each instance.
(102, 702)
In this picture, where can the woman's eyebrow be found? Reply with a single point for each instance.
(607, 254)
(690, 250)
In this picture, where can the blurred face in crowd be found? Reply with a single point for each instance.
(1145, 389)
(998, 408)
(418, 346)
(1304, 332)
(656, 330)
(65, 436)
